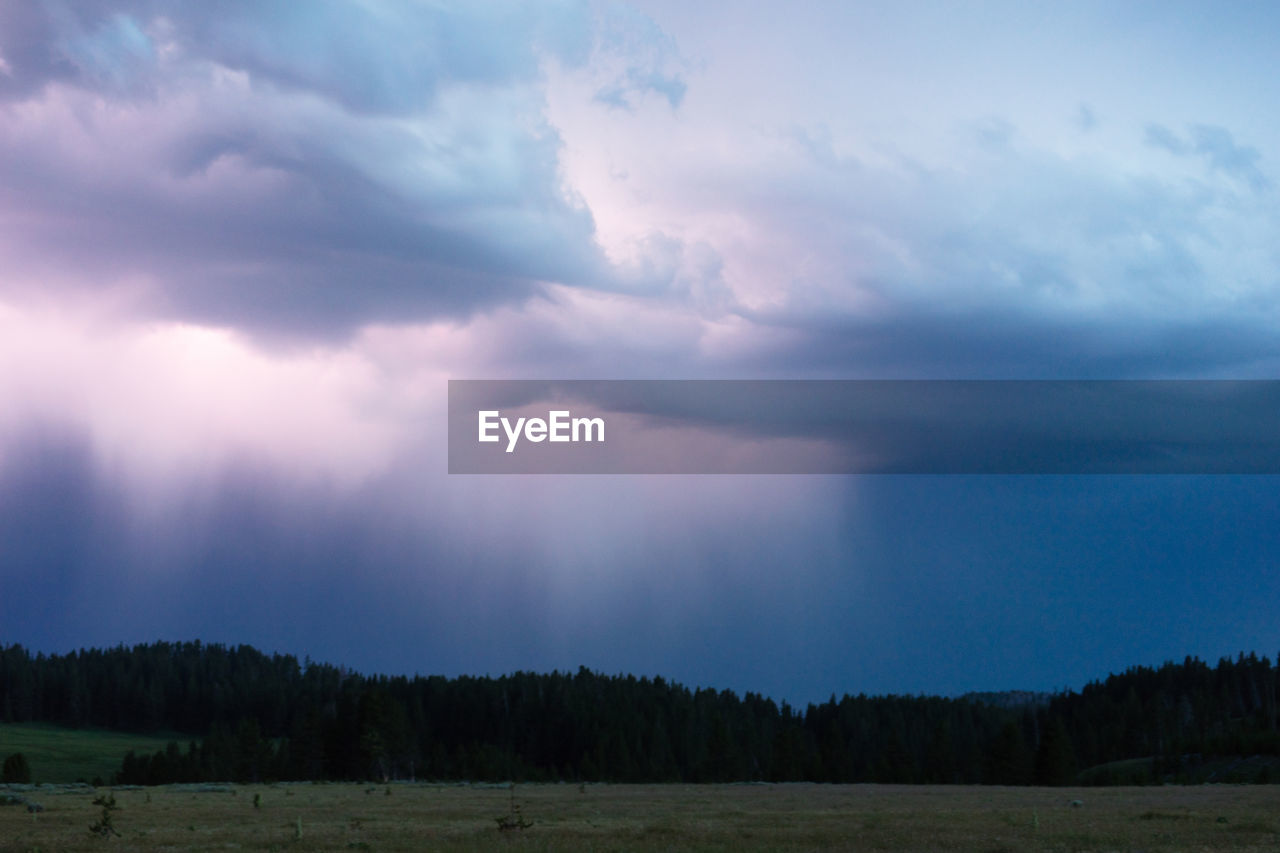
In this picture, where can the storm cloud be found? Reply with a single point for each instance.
(308, 169)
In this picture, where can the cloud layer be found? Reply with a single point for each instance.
(311, 170)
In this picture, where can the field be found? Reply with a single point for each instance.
(793, 817)
(65, 755)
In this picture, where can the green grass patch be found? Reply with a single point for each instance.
(65, 755)
(1131, 771)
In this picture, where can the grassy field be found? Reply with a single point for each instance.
(734, 818)
(65, 755)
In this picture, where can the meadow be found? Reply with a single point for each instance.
(785, 817)
(59, 754)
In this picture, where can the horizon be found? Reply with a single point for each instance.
(305, 662)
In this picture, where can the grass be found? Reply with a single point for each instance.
(1228, 769)
(65, 755)
(729, 818)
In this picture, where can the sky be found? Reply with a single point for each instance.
(245, 245)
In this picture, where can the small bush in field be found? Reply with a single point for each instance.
(104, 825)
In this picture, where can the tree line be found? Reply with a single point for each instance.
(243, 715)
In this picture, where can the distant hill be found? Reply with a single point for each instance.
(1015, 699)
(260, 717)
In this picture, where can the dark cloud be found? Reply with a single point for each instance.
(1011, 345)
(275, 167)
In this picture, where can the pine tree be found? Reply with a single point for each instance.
(1055, 759)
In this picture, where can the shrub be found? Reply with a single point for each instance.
(104, 826)
(16, 770)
